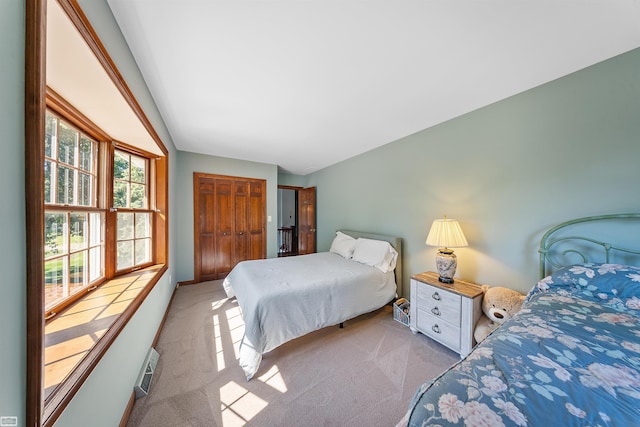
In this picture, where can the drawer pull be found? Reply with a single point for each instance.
(435, 328)
(436, 311)
(436, 296)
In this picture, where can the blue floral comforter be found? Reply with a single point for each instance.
(570, 357)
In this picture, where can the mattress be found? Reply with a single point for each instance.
(285, 298)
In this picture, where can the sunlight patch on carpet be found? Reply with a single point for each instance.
(217, 304)
(236, 328)
(217, 339)
(238, 405)
(274, 379)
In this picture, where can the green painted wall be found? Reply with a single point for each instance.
(290, 179)
(188, 163)
(507, 172)
(12, 211)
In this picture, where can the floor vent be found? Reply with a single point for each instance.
(146, 374)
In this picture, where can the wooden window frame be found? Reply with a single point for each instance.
(38, 410)
(60, 107)
(94, 172)
(150, 208)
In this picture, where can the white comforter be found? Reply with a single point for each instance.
(285, 298)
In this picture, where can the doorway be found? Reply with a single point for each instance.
(296, 220)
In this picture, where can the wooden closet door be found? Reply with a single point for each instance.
(256, 220)
(224, 220)
(241, 230)
(229, 215)
(205, 226)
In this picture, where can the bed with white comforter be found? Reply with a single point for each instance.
(285, 298)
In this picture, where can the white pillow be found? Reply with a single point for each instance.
(376, 253)
(343, 245)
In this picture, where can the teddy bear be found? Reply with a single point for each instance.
(498, 305)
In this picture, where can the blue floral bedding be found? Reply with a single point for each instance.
(570, 357)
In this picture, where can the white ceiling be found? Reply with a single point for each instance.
(305, 84)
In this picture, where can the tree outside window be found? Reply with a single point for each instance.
(130, 197)
(73, 235)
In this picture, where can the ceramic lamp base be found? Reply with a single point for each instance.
(446, 264)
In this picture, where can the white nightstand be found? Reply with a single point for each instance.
(446, 312)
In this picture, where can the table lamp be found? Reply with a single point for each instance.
(446, 233)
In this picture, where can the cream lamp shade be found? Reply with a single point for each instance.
(446, 233)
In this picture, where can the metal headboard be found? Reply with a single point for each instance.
(550, 242)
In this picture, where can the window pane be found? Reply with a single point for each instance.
(95, 264)
(121, 165)
(48, 169)
(95, 225)
(84, 192)
(138, 197)
(54, 279)
(50, 134)
(86, 154)
(78, 231)
(125, 255)
(120, 194)
(143, 251)
(130, 178)
(71, 232)
(125, 226)
(143, 228)
(55, 234)
(77, 271)
(138, 169)
(67, 144)
(65, 185)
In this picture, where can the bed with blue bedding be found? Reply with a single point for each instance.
(570, 357)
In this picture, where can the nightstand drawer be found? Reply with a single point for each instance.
(439, 330)
(440, 303)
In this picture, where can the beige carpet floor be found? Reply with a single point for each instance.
(362, 375)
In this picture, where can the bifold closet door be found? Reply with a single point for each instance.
(257, 219)
(241, 230)
(204, 239)
(230, 223)
(224, 218)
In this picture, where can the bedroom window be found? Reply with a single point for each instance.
(131, 200)
(100, 205)
(73, 226)
(75, 223)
